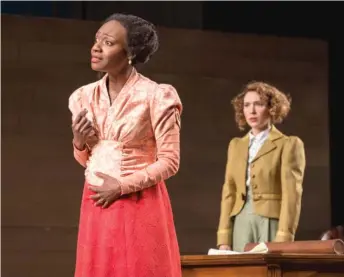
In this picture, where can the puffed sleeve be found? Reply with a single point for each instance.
(165, 110)
(292, 173)
(75, 106)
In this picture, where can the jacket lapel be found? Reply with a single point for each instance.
(269, 144)
(243, 147)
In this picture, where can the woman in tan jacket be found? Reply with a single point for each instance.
(261, 195)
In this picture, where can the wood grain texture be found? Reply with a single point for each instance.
(267, 265)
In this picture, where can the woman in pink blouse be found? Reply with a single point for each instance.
(126, 134)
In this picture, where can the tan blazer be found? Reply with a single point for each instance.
(276, 178)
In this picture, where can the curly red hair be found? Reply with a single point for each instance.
(277, 102)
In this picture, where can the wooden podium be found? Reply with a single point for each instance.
(267, 265)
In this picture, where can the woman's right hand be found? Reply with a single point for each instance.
(82, 129)
(225, 247)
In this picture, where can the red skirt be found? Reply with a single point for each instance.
(134, 237)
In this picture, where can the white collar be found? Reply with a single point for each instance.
(261, 136)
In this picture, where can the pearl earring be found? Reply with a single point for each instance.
(129, 62)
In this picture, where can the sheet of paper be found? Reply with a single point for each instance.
(260, 248)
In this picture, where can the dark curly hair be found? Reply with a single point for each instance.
(277, 102)
(142, 37)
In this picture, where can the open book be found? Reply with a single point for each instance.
(260, 248)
